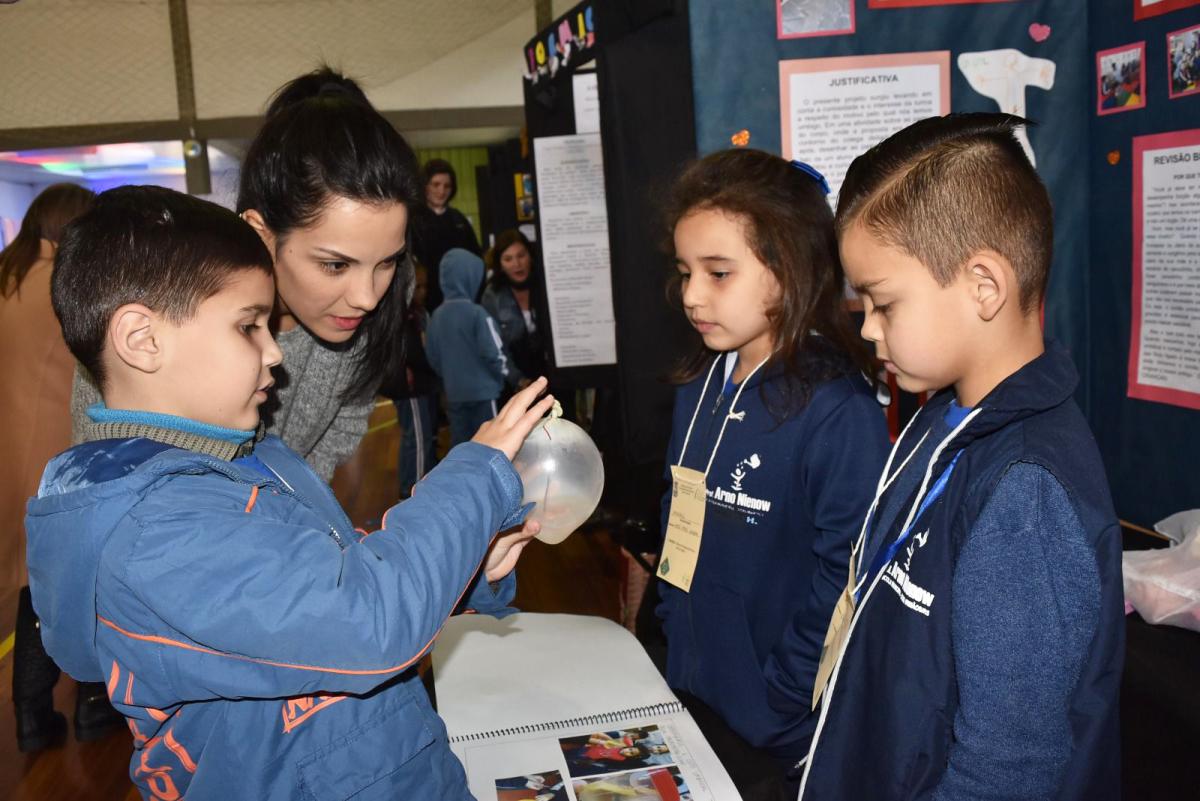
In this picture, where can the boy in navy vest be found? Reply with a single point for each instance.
(978, 649)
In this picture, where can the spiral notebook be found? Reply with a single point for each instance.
(567, 708)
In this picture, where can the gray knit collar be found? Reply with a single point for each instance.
(221, 449)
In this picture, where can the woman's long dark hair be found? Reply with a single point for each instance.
(789, 228)
(48, 214)
(323, 139)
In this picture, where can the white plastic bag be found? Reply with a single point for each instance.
(1163, 584)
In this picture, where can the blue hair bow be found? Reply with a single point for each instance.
(812, 172)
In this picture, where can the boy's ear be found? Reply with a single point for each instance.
(259, 225)
(991, 282)
(135, 337)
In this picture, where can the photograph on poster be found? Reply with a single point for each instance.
(1152, 8)
(914, 3)
(1121, 79)
(799, 18)
(1164, 332)
(1183, 61)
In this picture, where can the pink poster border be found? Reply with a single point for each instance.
(1175, 397)
(779, 34)
(1141, 48)
(799, 66)
(1142, 11)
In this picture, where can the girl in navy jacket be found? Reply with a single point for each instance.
(775, 413)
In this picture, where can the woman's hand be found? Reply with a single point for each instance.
(506, 550)
(507, 430)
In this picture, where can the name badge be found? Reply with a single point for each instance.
(835, 636)
(685, 525)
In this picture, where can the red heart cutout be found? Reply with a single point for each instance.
(1039, 32)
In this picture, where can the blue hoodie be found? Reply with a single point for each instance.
(259, 646)
(462, 342)
(784, 502)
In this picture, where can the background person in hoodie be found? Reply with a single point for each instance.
(983, 656)
(258, 645)
(776, 413)
(464, 347)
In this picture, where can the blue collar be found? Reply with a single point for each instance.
(99, 413)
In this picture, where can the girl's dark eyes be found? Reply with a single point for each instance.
(249, 328)
(883, 308)
(334, 266)
(720, 275)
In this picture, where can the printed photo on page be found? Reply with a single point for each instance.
(656, 784)
(545, 786)
(610, 751)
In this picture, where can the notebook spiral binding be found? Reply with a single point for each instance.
(655, 710)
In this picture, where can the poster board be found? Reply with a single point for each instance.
(573, 225)
(1164, 348)
(833, 109)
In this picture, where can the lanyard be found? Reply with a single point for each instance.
(731, 414)
(935, 492)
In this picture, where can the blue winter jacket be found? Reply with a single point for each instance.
(785, 499)
(890, 715)
(462, 341)
(259, 646)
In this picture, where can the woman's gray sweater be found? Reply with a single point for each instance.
(305, 408)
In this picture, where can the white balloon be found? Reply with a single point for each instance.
(563, 474)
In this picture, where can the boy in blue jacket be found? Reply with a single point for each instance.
(977, 651)
(257, 644)
(464, 346)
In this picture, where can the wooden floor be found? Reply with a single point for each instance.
(582, 576)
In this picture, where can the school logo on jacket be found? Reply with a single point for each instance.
(896, 576)
(736, 498)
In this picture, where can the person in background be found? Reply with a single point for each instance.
(414, 391)
(35, 401)
(437, 227)
(463, 345)
(508, 298)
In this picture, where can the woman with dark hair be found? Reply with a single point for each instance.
(508, 297)
(437, 227)
(34, 403)
(328, 184)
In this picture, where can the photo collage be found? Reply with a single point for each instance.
(634, 763)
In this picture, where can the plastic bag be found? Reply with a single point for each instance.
(563, 475)
(1163, 584)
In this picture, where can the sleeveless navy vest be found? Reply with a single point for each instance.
(886, 725)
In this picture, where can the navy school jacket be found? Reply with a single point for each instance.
(785, 500)
(886, 721)
(259, 646)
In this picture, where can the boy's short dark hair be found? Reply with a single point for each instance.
(946, 187)
(148, 245)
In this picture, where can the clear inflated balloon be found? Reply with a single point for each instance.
(563, 474)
